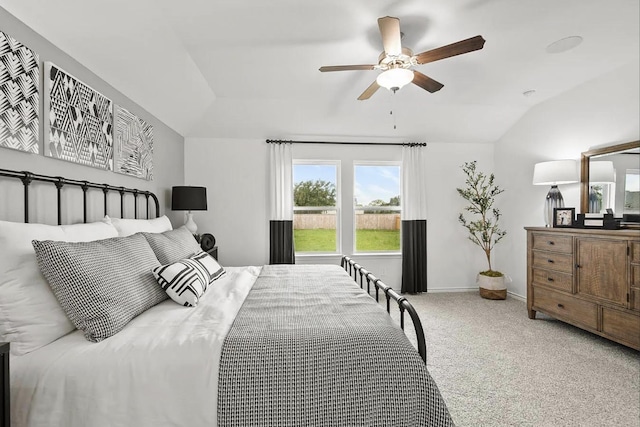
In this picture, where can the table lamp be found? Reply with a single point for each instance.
(185, 198)
(554, 173)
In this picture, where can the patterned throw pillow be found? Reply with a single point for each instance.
(101, 285)
(173, 245)
(186, 281)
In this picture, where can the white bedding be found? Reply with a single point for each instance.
(161, 370)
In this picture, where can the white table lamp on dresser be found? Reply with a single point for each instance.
(554, 173)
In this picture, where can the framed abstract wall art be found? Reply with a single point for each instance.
(80, 120)
(19, 95)
(133, 145)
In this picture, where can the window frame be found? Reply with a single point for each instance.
(337, 207)
(377, 208)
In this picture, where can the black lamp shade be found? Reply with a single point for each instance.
(189, 198)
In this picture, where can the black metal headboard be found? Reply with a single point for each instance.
(28, 177)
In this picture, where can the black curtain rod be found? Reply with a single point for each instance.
(407, 144)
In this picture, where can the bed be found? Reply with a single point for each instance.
(273, 345)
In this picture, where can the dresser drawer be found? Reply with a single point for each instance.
(634, 299)
(635, 252)
(552, 242)
(553, 279)
(566, 307)
(635, 276)
(553, 261)
(622, 325)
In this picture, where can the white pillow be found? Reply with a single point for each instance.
(30, 315)
(127, 227)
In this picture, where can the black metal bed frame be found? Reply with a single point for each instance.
(354, 269)
(28, 177)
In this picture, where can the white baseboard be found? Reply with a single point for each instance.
(516, 296)
(441, 290)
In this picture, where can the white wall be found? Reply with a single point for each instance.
(235, 173)
(453, 260)
(594, 114)
(168, 153)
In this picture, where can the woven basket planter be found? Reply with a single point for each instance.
(492, 287)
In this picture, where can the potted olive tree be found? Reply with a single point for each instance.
(480, 192)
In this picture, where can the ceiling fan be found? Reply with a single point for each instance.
(396, 61)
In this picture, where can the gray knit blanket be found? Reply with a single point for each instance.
(310, 348)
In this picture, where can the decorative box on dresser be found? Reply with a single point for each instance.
(587, 277)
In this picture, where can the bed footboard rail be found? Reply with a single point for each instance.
(28, 177)
(356, 271)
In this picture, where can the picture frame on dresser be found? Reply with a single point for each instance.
(564, 217)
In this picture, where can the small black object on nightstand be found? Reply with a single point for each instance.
(207, 242)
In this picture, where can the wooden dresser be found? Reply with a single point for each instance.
(587, 277)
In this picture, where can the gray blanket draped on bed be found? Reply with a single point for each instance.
(310, 348)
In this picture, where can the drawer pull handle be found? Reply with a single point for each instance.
(550, 261)
(551, 242)
(550, 279)
(578, 266)
(560, 306)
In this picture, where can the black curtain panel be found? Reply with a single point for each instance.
(281, 250)
(414, 256)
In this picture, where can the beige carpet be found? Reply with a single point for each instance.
(496, 367)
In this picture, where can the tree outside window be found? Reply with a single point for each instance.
(316, 207)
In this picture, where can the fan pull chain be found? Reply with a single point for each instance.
(393, 117)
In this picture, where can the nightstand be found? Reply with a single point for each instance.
(5, 408)
(213, 252)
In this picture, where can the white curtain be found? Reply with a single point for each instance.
(414, 219)
(281, 249)
(414, 183)
(281, 179)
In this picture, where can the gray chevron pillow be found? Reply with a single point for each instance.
(173, 245)
(103, 284)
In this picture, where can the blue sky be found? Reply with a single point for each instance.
(371, 182)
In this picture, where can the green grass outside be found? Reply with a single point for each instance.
(324, 240)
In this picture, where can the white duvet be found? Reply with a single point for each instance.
(161, 370)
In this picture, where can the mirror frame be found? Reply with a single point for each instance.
(584, 168)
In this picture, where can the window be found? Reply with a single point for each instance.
(377, 207)
(632, 192)
(316, 210)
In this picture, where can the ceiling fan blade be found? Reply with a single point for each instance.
(453, 49)
(369, 91)
(426, 83)
(390, 31)
(346, 67)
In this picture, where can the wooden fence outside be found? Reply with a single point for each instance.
(363, 221)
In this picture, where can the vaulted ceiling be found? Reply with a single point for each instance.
(249, 68)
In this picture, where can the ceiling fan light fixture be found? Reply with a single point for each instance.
(395, 78)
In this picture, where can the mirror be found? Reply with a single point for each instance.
(610, 181)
